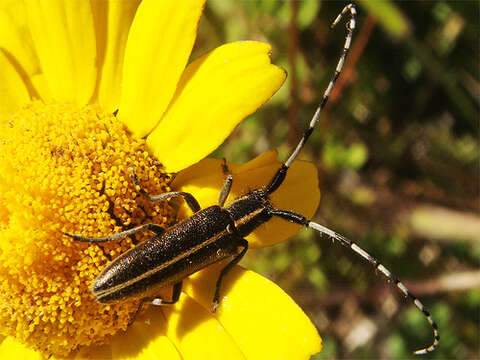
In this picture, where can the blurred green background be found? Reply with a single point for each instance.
(398, 157)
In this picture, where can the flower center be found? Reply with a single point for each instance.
(68, 169)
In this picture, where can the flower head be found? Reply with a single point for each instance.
(90, 89)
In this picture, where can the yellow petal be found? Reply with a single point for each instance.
(264, 321)
(64, 39)
(158, 47)
(16, 42)
(112, 24)
(13, 93)
(215, 93)
(197, 334)
(39, 82)
(205, 179)
(94, 352)
(12, 349)
(145, 339)
(299, 192)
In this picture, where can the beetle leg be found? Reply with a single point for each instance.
(225, 270)
(157, 229)
(189, 199)
(227, 185)
(139, 308)
(177, 290)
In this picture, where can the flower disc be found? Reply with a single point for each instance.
(65, 168)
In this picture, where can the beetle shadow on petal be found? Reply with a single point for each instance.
(188, 317)
(201, 285)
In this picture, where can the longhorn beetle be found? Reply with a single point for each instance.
(216, 233)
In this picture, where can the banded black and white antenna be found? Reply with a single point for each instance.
(280, 175)
(278, 178)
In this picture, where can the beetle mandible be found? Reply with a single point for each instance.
(217, 232)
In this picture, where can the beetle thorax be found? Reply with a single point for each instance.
(249, 211)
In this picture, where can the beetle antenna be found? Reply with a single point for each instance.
(390, 277)
(300, 219)
(282, 172)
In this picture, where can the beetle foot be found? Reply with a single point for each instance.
(157, 302)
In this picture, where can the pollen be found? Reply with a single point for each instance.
(68, 169)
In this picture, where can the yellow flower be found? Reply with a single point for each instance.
(87, 90)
